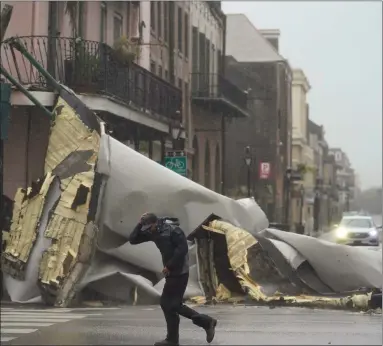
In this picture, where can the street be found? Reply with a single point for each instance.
(143, 325)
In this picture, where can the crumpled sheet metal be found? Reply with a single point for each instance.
(238, 245)
(136, 185)
(67, 219)
(342, 268)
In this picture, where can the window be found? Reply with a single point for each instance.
(186, 30)
(160, 71)
(186, 99)
(153, 15)
(103, 20)
(166, 21)
(219, 61)
(180, 83)
(167, 75)
(152, 67)
(180, 32)
(159, 16)
(195, 59)
(128, 19)
(81, 19)
(117, 26)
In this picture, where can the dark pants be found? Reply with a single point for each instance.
(172, 306)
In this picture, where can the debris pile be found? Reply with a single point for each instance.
(70, 231)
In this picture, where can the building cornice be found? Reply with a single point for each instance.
(216, 11)
(299, 78)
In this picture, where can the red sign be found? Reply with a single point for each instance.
(264, 170)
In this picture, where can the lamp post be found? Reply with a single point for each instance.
(317, 204)
(176, 129)
(287, 194)
(248, 160)
(302, 194)
(347, 198)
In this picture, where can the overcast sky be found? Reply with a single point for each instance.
(339, 47)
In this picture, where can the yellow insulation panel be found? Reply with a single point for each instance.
(25, 221)
(68, 135)
(238, 241)
(67, 225)
(60, 257)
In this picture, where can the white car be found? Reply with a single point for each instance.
(357, 230)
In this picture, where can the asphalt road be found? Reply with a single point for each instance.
(238, 325)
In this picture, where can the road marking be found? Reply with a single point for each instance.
(17, 331)
(35, 310)
(23, 320)
(25, 324)
(6, 338)
(28, 319)
(26, 314)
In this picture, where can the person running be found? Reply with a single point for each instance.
(171, 241)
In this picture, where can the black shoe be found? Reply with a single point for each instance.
(166, 343)
(210, 331)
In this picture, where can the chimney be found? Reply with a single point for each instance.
(272, 35)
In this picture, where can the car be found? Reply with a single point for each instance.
(357, 230)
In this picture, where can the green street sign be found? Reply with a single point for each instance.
(177, 162)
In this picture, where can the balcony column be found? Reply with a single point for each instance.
(163, 150)
(151, 149)
(137, 139)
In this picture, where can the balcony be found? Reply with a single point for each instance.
(93, 68)
(217, 94)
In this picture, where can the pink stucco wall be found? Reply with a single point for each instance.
(30, 18)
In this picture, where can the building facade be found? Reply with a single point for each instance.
(142, 66)
(187, 43)
(303, 158)
(345, 178)
(321, 198)
(331, 189)
(261, 71)
(97, 50)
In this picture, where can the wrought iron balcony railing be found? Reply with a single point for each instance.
(214, 86)
(92, 67)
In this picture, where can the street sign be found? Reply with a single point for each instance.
(264, 170)
(177, 162)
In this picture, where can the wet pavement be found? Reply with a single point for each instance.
(142, 325)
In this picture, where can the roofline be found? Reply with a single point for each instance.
(282, 59)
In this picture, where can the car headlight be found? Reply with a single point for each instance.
(341, 233)
(373, 233)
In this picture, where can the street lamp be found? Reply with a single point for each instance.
(318, 183)
(176, 129)
(248, 160)
(347, 198)
(287, 194)
(302, 194)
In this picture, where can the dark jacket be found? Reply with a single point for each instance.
(172, 243)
